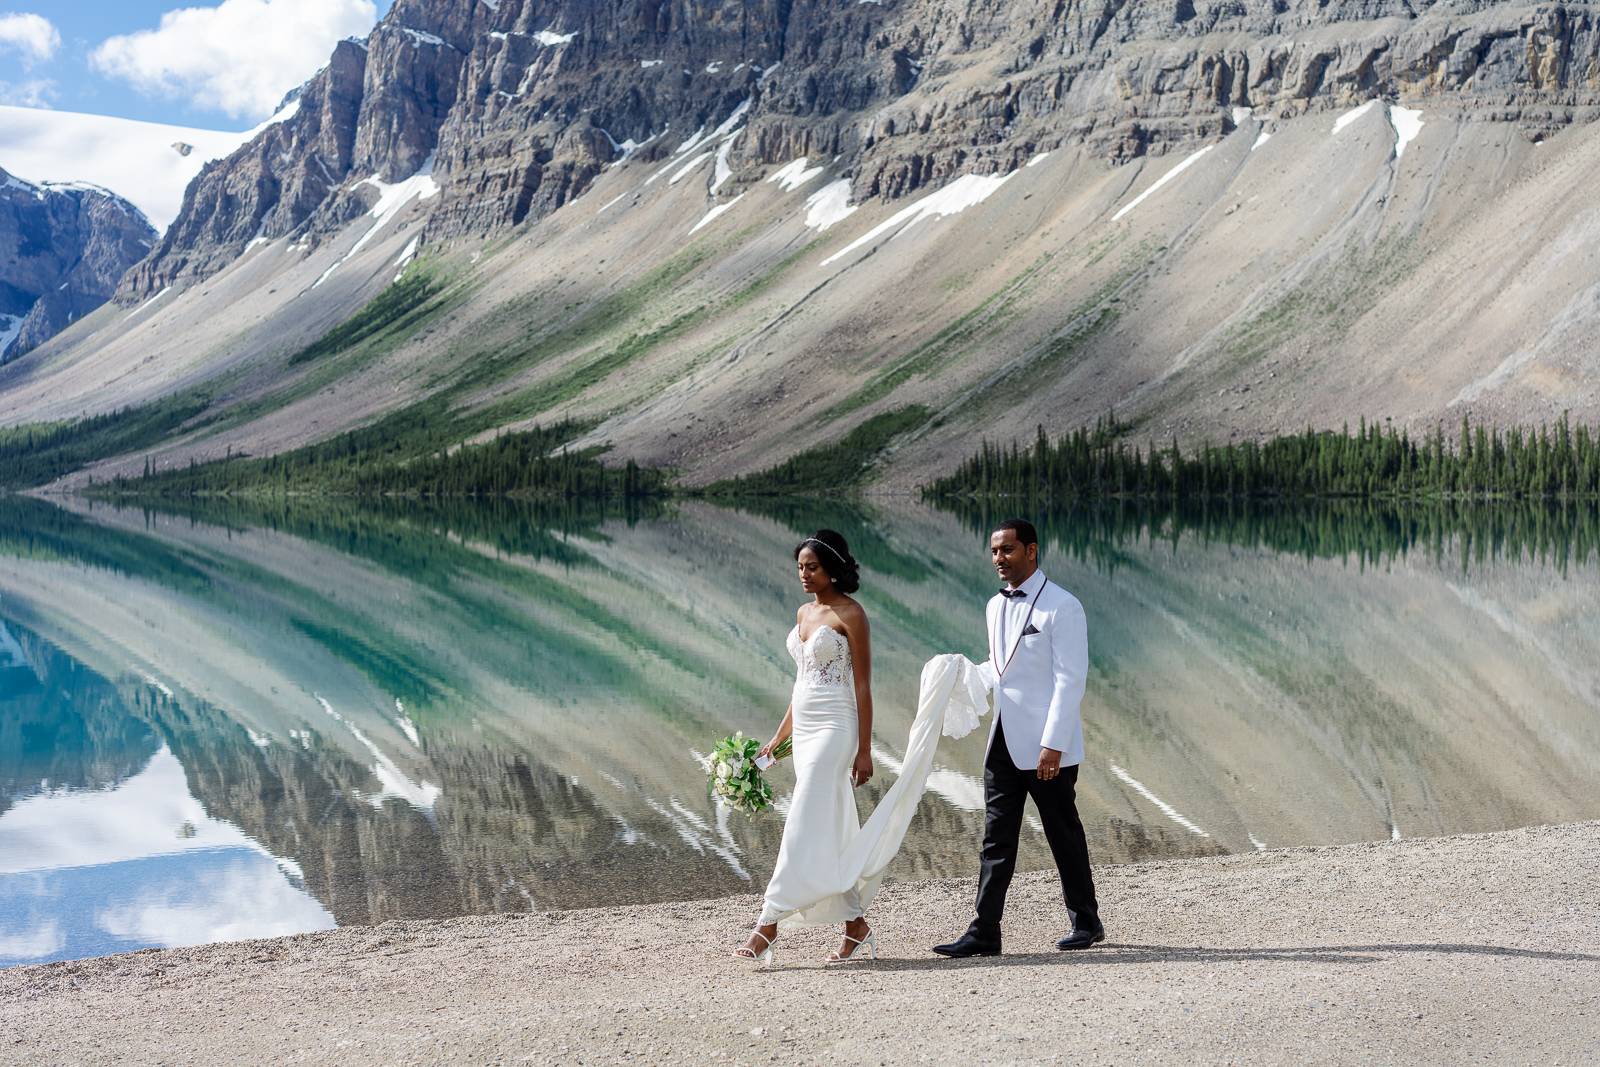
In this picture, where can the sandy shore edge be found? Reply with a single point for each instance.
(1470, 948)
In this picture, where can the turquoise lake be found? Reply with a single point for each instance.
(252, 721)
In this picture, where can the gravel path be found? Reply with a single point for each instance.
(1454, 950)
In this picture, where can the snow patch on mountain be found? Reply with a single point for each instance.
(724, 170)
(1162, 181)
(420, 37)
(735, 120)
(712, 215)
(829, 205)
(683, 172)
(407, 256)
(966, 191)
(165, 290)
(1350, 116)
(793, 175)
(1407, 123)
(10, 326)
(391, 199)
(286, 111)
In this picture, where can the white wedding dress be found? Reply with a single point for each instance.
(829, 865)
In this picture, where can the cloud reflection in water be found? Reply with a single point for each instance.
(138, 865)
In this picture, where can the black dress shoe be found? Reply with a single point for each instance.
(971, 943)
(1082, 937)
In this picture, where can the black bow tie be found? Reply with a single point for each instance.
(1010, 593)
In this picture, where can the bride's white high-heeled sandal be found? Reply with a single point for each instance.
(871, 941)
(765, 957)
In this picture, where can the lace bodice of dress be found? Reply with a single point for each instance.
(824, 660)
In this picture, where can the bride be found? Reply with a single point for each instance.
(830, 719)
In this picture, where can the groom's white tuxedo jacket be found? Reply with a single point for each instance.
(1038, 663)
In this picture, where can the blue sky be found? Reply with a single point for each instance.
(212, 66)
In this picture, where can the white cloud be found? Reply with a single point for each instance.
(35, 92)
(247, 898)
(239, 57)
(47, 940)
(32, 35)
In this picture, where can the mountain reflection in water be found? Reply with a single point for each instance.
(250, 720)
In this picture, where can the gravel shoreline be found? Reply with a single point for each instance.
(1482, 948)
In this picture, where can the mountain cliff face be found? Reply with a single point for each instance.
(521, 103)
(724, 233)
(63, 249)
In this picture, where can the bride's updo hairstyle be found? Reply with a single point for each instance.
(833, 553)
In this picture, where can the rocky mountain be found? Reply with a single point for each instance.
(524, 102)
(61, 723)
(63, 249)
(726, 231)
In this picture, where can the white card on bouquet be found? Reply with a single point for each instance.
(763, 762)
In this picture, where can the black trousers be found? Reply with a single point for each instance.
(1006, 789)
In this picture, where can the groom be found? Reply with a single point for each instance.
(1038, 660)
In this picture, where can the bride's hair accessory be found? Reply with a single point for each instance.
(830, 548)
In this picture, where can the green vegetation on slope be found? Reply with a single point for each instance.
(590, 326)
(485, 383)
(418, 450)
(421, 296)
(38, 454)
(394, 457)
(1549, 464)
(946, 345)
(587, 334)
(831, 468)
(388, 316)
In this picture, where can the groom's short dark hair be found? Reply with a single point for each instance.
(1022, 528)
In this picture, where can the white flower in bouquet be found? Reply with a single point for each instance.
(735, 779)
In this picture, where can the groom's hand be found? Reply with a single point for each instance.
(1049, 764)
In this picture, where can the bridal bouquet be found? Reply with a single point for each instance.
(735, 779)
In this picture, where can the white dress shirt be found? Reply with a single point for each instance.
(1014, 611)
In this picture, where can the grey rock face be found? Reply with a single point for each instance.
(63, 249)
(521, 103)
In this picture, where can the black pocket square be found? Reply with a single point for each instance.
(1031, 631)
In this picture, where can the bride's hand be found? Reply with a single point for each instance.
(766, 749)
(861, 773)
